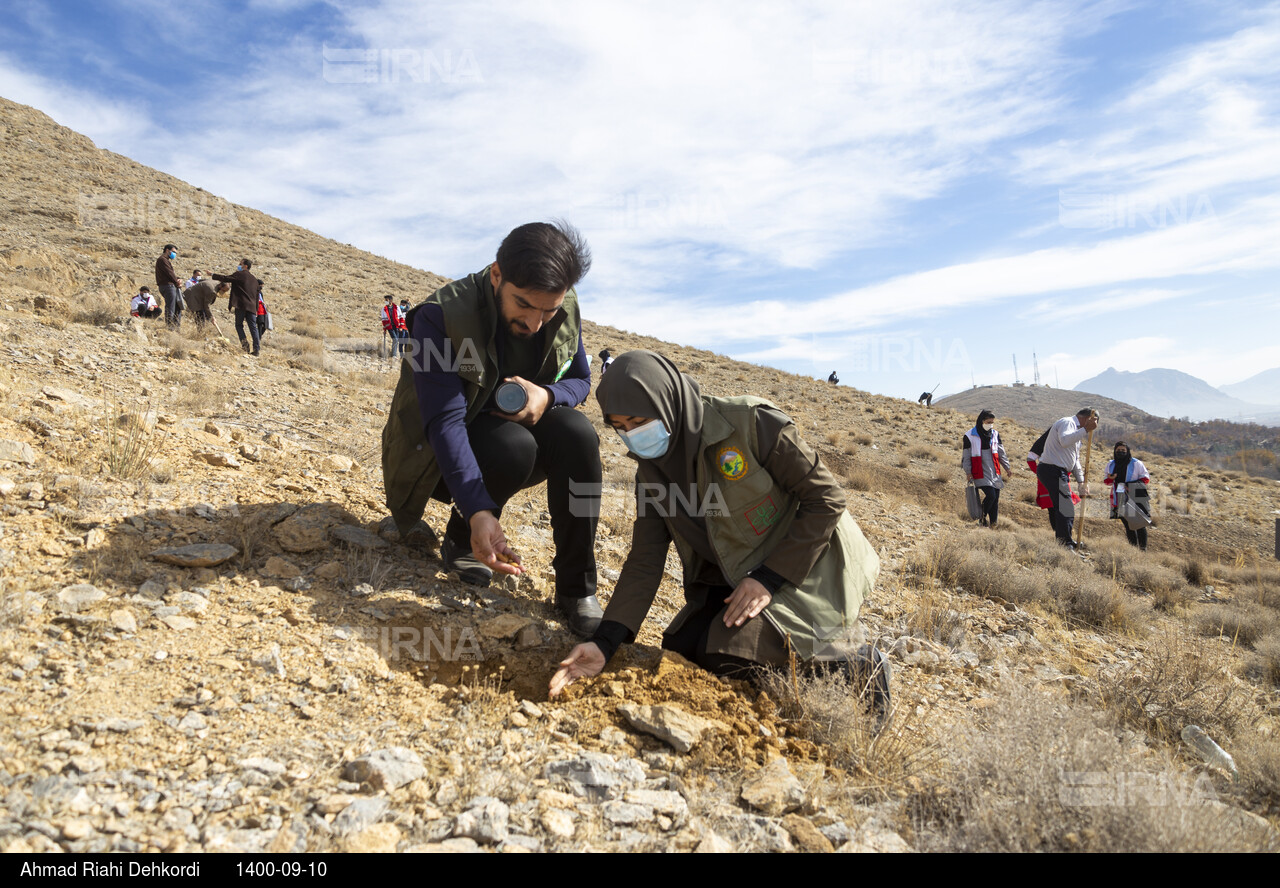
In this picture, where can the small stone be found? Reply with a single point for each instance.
(386, 769)
(381, 838)
(334, 803)
(773, 790)
(216, 430)
(360, 814)
(625, 814)
(875, 841)
(337, 463)
(122, 620)
(528, 637)
(197, 554)
(558, 822)
(806, 835)
(281, 569)
(669, 723)
(153, 588)
(220, 458)
(81, 596)
(178, 623)
(663, 801)
(358, 537)
(712, 843)
(272, 661)
(74, 830)
(192, 722)
(485, 820)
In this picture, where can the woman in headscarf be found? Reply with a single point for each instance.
(772, 560)
(983, 460)
(1130, 501)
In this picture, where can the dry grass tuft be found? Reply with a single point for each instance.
(1241, 621)
(1179, 682)
(859, 479)
(1040, 775)
(924, 452)
(130, 443)
(827, 712)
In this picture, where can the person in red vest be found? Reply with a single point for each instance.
(393, 322)
(985, 463)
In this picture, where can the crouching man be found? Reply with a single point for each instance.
(484, 408)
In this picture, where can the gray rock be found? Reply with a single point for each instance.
(178, 623)
(197, 554)
(17, 452)
(81, 596)
(663, 801)
(114, 725)
(269, 767)
(386, 769)
(595, 775)
(875, 841)
(669, 723)
(191, 601)
(272, 661)
(192, 721)
(153, 588)
(358, 537)
(485, 820)
(773, 790)
(360, 814)
(625, 814)
(60, 794)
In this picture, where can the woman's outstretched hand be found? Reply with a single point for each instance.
(584, 661)
(745, 602)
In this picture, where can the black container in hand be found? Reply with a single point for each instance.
(510, 397)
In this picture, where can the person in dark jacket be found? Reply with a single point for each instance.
(244, 302)
(170, 286)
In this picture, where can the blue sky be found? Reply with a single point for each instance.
(910, 193)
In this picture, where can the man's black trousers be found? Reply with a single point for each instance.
(1056, 480)
(564, 450)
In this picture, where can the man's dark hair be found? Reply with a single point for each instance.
(168, 247)
(246, 263)
(1085, 412)
(145, 290)
(545, 257)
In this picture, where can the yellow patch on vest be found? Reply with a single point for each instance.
(733, 465)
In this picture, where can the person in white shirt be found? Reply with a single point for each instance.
(193, 280)
(1059, 462)
(985, 464)
(144, 305)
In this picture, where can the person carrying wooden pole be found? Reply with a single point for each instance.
(1059, 462)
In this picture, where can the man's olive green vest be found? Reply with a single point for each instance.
(756, 515)
(410, 472)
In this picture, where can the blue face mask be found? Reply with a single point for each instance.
(173, 255)
(648, 441)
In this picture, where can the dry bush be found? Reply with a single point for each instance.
(1179, 682)
(1083, 595)
(1268, 650)
(1123, 563)
(859, 479)
(833, 438)
(922, 451)
(1028, 495)
(903, 462)
(943, 475)
(307, 324)
(205, 394)
(177, 345)
(1041, 775)
(860, 439)
(366, 566)
(100, 309)
(1258, 758)
(130, 443)
(1241, 620)
(828, 712)
(1195, 571)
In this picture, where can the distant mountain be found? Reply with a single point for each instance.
(1264, 388)
(1165, 392)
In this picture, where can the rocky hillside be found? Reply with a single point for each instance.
(213, 640)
